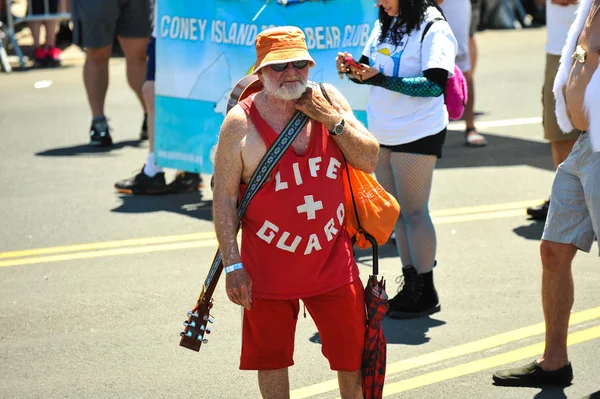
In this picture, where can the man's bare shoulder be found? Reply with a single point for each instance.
(236, 125)
(337, 98)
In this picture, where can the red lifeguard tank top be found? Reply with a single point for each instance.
(294, 240)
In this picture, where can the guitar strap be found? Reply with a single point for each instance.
(266, 165)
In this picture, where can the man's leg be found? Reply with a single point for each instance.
(135, 58)
(95, 78)
(557, 301)
(561, 144)
(350, 384)
(148, 96)
(274, 384)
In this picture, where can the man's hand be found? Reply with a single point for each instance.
(238, 286)
(315, 106)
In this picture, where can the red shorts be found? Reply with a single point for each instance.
(269, 328)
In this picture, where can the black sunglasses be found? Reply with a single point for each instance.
(283, 67)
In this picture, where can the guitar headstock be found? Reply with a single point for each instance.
(196, 326)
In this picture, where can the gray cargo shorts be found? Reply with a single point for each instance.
(574, 214)
(97, 22)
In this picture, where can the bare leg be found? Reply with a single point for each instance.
(561, 150)
(95, 77)
(135, 57)
(274, 384)
(35, 27)
(473, 53)
(350, 384)
(148, 91)
(557, 301)
(51, 32)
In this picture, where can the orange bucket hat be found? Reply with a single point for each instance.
(281, 45)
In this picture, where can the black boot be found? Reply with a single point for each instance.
(421, 299)
(408, 278)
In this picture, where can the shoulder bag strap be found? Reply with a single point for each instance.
(266, 165)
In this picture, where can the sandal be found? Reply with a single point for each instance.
(474, 139)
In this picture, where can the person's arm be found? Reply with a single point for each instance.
(227, 177)
(432, 84)
(359, 146)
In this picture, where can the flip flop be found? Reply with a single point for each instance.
(474, 139)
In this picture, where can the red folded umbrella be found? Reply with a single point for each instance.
(374, 355)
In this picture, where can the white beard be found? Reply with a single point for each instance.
(289, 91)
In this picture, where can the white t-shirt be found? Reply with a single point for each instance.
(558, 22)
(458, 15)
(395, 118)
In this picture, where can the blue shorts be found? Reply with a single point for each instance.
(151, 63)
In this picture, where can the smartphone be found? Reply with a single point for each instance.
(352, 62)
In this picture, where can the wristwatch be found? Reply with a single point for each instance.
(338, 128)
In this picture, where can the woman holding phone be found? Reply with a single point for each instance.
(407, 61)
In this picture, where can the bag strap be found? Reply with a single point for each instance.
(346, 162)
(428, 26)
(368, 237)
(266, 165)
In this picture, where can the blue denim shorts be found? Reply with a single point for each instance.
(574, 214)
(151, 62)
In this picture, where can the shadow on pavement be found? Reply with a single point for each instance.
(551, 393)
(532, 231)
(189, 204)
(404, 332)
(595, 395)
(86, 149)
(409, 332)
(500, 151)
(365, 256)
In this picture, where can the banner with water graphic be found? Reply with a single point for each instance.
(205, 47)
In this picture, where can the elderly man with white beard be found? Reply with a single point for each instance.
(294, 242)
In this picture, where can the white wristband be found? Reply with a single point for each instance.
(234, 267)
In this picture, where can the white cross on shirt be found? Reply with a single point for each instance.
(310, 207)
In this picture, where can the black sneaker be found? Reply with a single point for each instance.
(100, 134)
(421, 299)
(141, 184)
(539, 212)
(532, 375)
(185, 182)
(144, 132)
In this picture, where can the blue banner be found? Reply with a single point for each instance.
(205, 47)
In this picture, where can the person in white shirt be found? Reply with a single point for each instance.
(408, 67)
(151, 179)
(560, 14)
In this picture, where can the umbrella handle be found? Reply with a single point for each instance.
(375, 247)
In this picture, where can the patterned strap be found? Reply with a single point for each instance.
(266, 165)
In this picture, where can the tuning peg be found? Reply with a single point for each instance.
(192, 324)
(186, 334)
(190, 314)
(204, 340)
(209, 319)
(207, 331)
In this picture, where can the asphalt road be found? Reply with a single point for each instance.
(94, 286)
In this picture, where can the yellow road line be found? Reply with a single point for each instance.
(484, 364)
(486, 208)
(454, 352)
(107, 244)
(98, 249)
(108, 252)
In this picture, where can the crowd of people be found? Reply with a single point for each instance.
(407, 125)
